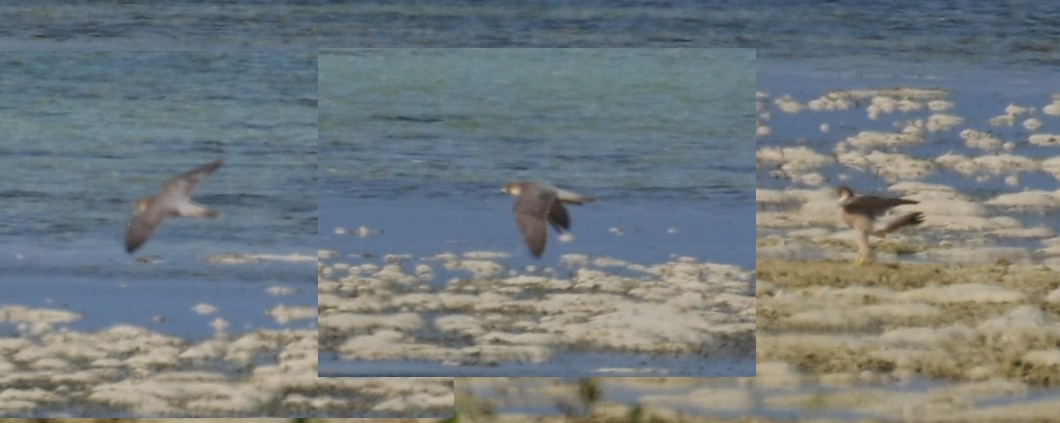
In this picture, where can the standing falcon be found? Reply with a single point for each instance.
(538, 203)
(173, 200)
(860, 214)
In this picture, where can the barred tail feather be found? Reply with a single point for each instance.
(914, 218)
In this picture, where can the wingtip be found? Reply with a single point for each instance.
(133, 242)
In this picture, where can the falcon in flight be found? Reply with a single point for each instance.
(173, 200)
(537, 203)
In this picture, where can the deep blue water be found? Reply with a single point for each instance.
(1013, 33)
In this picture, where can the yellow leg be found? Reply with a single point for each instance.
(860, 260)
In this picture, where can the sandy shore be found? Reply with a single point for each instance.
(132, 371)
(938, 341)
(512, 419)
(497, 316)
(839, 345)
(956, 319)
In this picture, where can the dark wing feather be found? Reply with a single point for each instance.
(185, 183)
(533, 206)
(914, 218)
(142, 226)
(558, 217)
(534, 231)
(874, 206)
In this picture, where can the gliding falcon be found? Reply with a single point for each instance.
(537, 203)
(173, 200)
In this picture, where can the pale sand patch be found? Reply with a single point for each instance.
(939, 105)
(775, 374)
(825, 104)
(1023, 320)
(1013, 109)
(812, 233)
(1044, 140)
(763, 131)
(976, 255)
(284, 314)
(787, 104)
(712, 398)
(981, 140)
(364, 231)
(1002, 120)
(772, 196)
(877, 139)
(361, 321)
(791, 162)
(941, 122)
(961, 293)
(1033, 124)
(1052, 247)
(997, 164)
(915, 337)
(958, 163)
(923, 191)
(1037, 232)
(20, 314)
(479, 268)
(1027, 199)
(891, 166)
(1052, 109)
(1043, 358)
(462, 324)
(1052, 166)
(281, 291)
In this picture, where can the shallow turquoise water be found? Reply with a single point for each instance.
(85, 134)
(662, 137)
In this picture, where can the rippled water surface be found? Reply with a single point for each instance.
(86, 134)
(984, 34)
(418, 143)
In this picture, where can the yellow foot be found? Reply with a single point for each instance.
(860, 260)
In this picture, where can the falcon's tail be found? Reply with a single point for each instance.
(914, 218)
